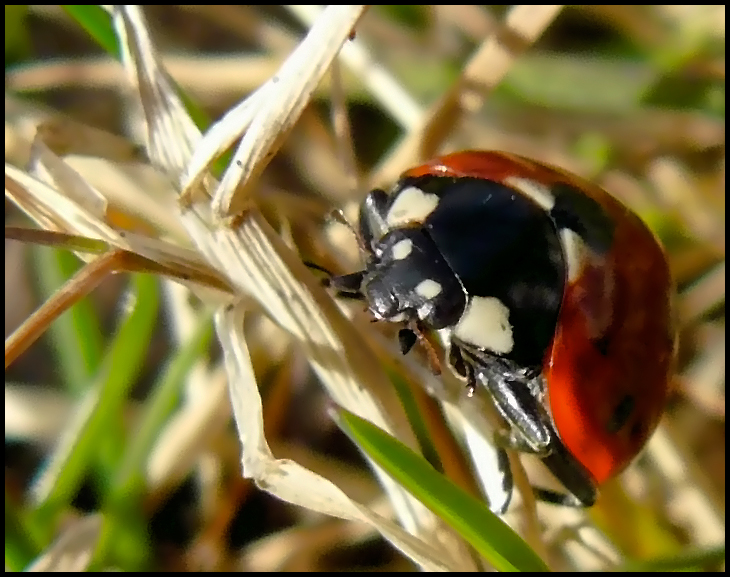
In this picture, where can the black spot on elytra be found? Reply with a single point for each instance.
(637, 431)
(621, 414)
(602, 343)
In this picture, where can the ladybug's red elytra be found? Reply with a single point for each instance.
(555, 296)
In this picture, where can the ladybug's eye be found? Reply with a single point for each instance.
(621, 414)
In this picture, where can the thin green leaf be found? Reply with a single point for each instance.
(124, 542)
(607, 85)
(708, 559)
(97, 22)
(99, 25)
(416, 420)
(124, 538)
(469, 517)
(129, 480)
(17, 38)
(118, 374)
(76, 335)
(20, 548)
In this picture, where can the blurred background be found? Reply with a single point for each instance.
(632, 97)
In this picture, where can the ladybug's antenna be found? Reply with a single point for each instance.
(337, 215)
(314, 266)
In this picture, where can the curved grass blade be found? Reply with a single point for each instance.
(469, 517)
(692, 560)
(95, 20)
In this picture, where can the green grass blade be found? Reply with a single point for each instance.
(20, 547)
(76, 335)
(693, 560)
(165, 395)
(99, 25)
(469, 517)
(17, 37)
(416, 420)
(119, 371)
(124, 539)
(97, 22)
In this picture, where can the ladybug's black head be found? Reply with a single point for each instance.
(407, 279)
(382, 300)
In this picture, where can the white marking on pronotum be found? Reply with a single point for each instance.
(428, 289)
(532, 189)
(485, 324)
(402, 249)
(574, 249)
(411, 204)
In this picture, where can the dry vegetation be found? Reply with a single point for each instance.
(204, 331)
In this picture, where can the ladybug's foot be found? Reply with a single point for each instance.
(514, 441)
(504, 468)
(471, 381)
(529, 424)
(558, 498)
(463, 369)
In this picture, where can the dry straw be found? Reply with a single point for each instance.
(259, 265)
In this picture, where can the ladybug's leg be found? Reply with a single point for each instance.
(514, 440)
(522, 411)
(531, 432)
(580, 486)
(557, 498)
(583, 492)
(507, 481)
(407, 337)
(462, 368)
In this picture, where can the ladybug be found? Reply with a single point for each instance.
(551, 293)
